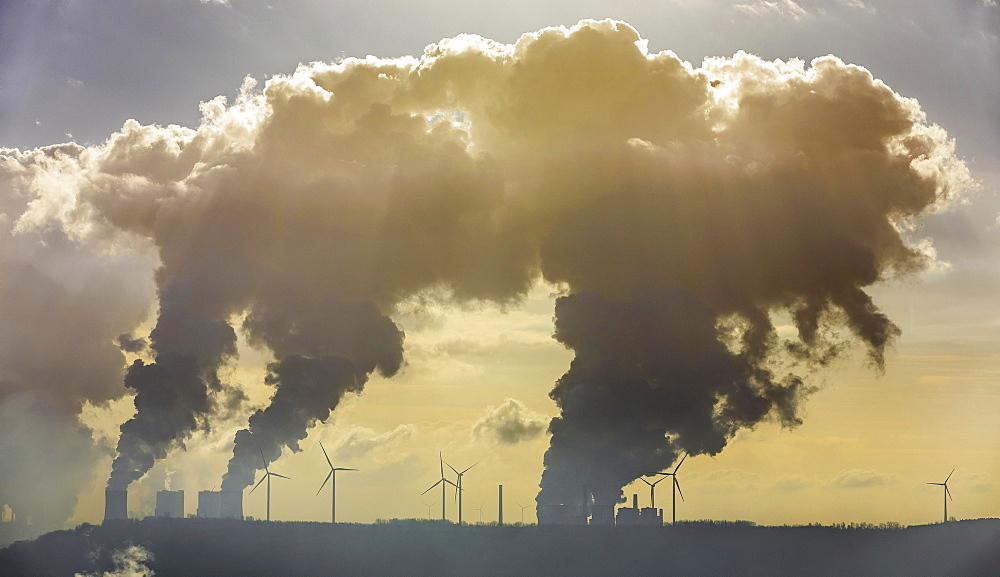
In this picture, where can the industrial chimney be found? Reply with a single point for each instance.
(115, 504)
(500, 507)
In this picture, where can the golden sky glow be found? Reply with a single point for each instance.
(313, 209)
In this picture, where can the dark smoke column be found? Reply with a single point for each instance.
(650, 379)
(323, 359)
(175, 395)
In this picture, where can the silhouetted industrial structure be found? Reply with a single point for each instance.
(231, 504)
(170, 504)
(115, 504)
(567, 513)
(210, 504)
(634, 516)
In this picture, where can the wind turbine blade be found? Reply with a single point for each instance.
(938, 484)
(678, 485)
(654, 483)
(441, 458)
(450, 467)
(432, 486)
(646, 482)
(328, 475)
(473, 465)
(263, 460)
(282, 476)
(681, 463)
(948, 492)
(449, 482)
(257, 485)
(325, 455)
(949, 475)
(343, 469)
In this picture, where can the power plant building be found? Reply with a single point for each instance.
(231, 505)
(566, 513)
(115, 504)
(210, 504)
(170, 504)
(634, 516)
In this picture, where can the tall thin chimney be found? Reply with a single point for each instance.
(500, 508)
(635, 501)
(115, 504)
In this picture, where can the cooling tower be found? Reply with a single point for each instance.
(115, 505)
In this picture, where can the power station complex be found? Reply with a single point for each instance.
(229, 505)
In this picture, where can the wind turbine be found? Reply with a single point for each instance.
(267, 475)
(947, 493)
(442, 481)
(458, 490)
(677, 487)
(333, 486)
(652, 490)
(480, 509)
(428, 505)
(523, 507)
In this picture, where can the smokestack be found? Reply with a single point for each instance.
(170, 504)
(635, 501)
(231, 505)
(115, 504)
(500, 506)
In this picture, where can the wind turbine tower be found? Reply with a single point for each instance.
(652, 490)
(523, 507)
(458, 490)
(947, 493)
(428, 505)
(331, 476)
(267, 475)
(442, 481)
(677, 488)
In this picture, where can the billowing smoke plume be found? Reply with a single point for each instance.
(356, 340)
(679, 207)
(62, 303)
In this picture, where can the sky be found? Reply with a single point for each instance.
(89, 256)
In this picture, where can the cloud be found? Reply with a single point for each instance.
(130, 344)
(792, 483)
(861, 479)
(361, 443)
(509, 423)
(860, 5)
(981, 482)
(784, 8)
(662, 196)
